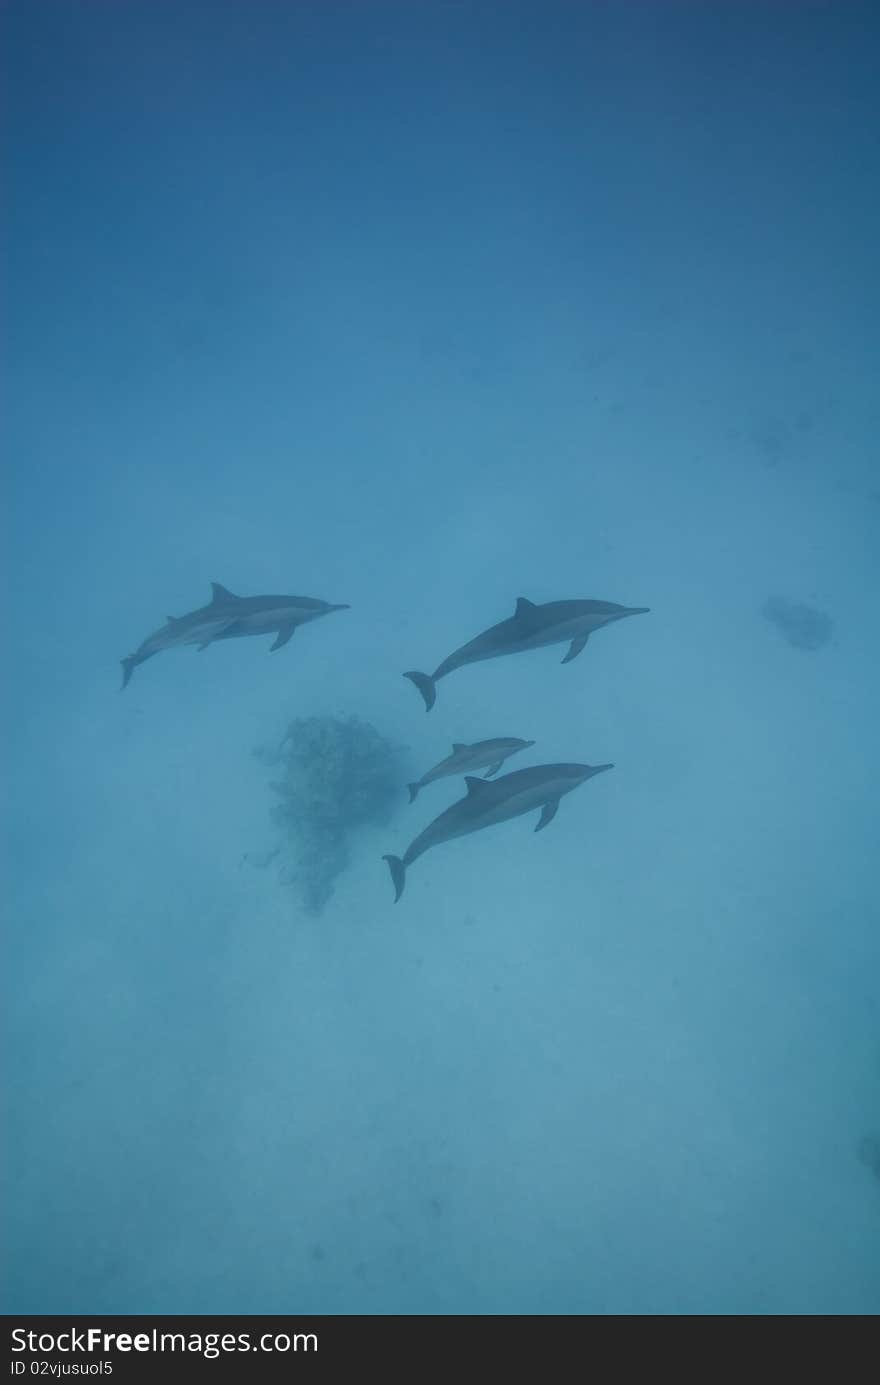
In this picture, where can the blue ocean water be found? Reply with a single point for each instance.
(424, 308)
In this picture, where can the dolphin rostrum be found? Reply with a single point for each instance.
(471, 757)
(228, 616)
(488, 801)
(529, 627)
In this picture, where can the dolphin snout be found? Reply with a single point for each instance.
(596, 769)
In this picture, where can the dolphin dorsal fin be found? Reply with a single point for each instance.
(459, 745)
(221, 595)
(474, 785)
(524, 607)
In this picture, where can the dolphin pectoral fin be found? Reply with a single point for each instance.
(413, 791)
(493, 769)
(548, 813)
(426, 686)
(575, 648)
(398, 874)
(282, 637)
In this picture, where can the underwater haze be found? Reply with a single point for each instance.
(421, 309)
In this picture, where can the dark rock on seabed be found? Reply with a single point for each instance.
(802, 626)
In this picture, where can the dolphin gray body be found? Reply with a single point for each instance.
(488, 801)
(228, 617)
(470, 758)
(530, 627)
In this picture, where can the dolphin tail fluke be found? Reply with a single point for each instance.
(426, 686)
(413, 791)
(398, 874)
(131, 663)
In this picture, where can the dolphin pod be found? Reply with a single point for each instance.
(228, 617)
(489, 801)
(530, 627)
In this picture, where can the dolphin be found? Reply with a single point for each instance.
(530, 627)
(488, 801)
(227, 617)
(464, 757)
